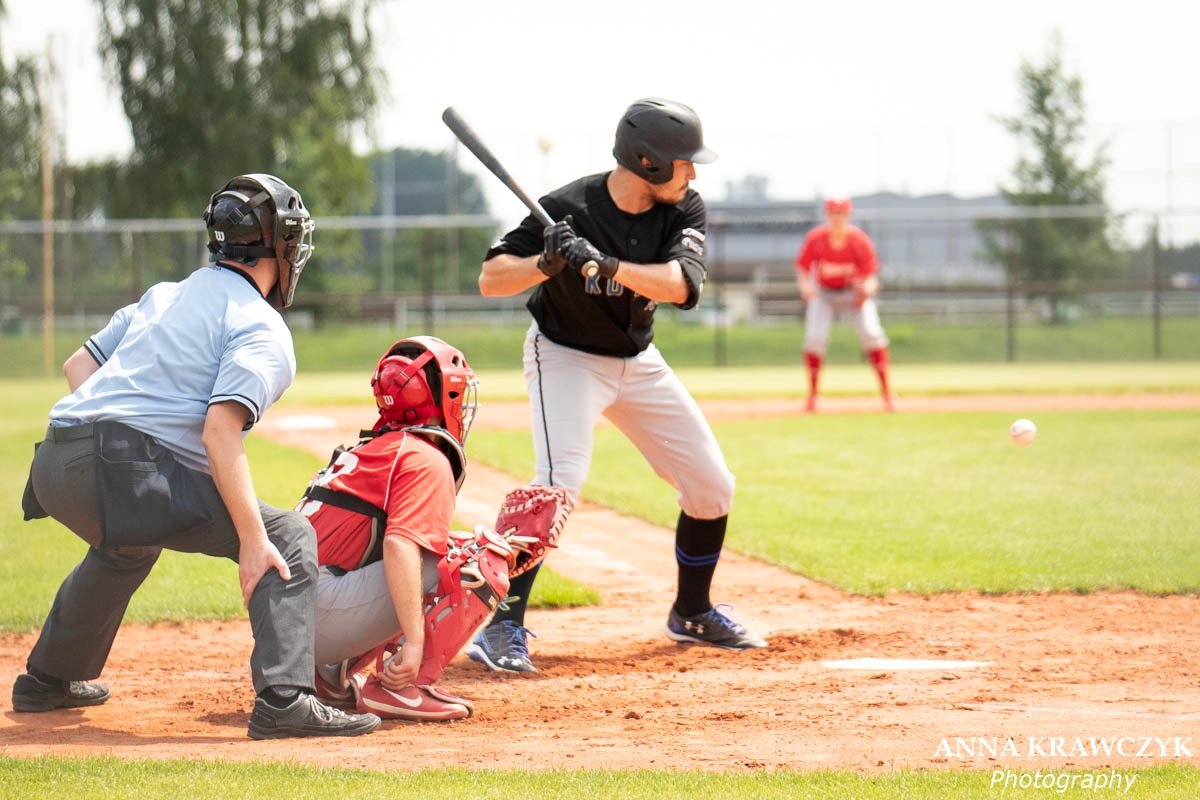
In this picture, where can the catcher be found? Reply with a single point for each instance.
(399, 593)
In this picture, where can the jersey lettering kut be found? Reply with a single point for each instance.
(402, 473)
(835, 267)
(599, 315)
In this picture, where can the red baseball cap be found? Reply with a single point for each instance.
(838, 205)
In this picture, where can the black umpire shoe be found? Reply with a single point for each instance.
(34, 694)
(306, 716)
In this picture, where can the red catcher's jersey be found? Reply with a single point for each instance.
(402, 473)
(835, 267)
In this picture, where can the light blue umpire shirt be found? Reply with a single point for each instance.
(165, 359)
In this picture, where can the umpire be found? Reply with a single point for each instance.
(589, 352)
(146, 453)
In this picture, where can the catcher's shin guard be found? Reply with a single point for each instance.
(472, 583)
(472, 580)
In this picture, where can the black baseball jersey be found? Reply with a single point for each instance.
(599, 315)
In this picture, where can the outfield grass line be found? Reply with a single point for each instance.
(790, 380)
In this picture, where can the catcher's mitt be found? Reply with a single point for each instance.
(531, 520)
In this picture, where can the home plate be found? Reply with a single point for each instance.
(890, 664)
(305, 422)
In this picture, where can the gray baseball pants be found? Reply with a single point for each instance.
(78, 634)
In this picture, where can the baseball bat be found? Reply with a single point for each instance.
(474, 142)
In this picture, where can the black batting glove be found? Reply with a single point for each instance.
(579, 252)
(555, 238)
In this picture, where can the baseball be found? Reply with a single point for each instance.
(1023, 432)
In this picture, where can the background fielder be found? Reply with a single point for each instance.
(588, 352)
(837, 271)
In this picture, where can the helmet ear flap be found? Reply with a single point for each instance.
(239, 225)
(402, 391)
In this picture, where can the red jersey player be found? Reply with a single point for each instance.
(836, 271)
(393, 578)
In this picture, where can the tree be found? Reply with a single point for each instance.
(1052, 172)
(223, 87)
(20, 156)
(20, 145)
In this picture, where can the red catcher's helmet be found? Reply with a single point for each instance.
(422, 378)
(838, 205)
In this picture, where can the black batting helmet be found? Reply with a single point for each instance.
(259, 216)
(659, 131)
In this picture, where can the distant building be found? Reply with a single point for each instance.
(927, 240)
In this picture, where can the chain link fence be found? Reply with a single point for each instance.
(411, 273)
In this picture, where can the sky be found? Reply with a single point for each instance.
(821, 99)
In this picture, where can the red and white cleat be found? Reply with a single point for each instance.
(414, 703)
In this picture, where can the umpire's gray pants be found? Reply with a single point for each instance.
(78, 633)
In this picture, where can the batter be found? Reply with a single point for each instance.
(589, 352)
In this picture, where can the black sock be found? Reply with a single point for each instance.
(279, 696)
(697, 549)
(512, 607)
(49, 680)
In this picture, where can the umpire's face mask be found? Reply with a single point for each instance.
(293, 248)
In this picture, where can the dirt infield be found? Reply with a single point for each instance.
(1115, 671)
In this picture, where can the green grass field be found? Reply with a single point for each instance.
(939, 502)
(104, 778)
(688, 343)
(837, 380)
(870, 503)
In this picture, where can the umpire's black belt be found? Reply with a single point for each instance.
(69, 433)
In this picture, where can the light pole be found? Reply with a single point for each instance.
(545, 144)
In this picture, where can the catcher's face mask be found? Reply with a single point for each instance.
(468, 406)
(293, 247)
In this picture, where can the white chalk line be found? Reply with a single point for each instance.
(892, 664)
